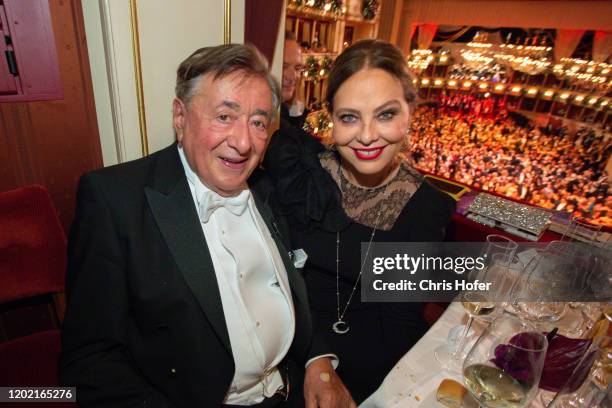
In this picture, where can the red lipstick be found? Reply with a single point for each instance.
(369, 153)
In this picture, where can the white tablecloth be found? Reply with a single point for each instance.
(415, 378)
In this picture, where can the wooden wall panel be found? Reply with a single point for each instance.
(53, 142)
(263, 36)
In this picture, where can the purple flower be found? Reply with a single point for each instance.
(519, 355)
(563, 363)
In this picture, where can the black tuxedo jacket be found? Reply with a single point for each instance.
(144, 323)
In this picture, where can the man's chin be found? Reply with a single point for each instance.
(230, 189)
(287, 95)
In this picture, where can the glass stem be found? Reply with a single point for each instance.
(463, 338)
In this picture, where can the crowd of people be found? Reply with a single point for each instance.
(541, 166)
(471, 104)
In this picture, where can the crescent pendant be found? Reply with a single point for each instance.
(340, 327)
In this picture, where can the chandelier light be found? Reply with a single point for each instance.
(475, 60)
(478, 62)
(530, 58)
(419, 60)
(480, 41)
(534, 51)
(525, 64)
(585, 74)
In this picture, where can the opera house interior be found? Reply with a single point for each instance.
(204, 202)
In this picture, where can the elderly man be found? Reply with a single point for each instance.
(180, 290)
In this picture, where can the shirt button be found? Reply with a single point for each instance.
(173, 372)
(241, 276)
(258, 324)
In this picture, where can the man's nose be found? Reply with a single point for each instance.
(290, 74)
(240, 137)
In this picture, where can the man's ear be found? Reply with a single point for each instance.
(178, 117)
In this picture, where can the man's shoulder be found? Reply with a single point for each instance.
(130, 174)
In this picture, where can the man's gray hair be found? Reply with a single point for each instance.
(223, 60)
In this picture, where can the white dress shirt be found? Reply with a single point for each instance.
(254, 290)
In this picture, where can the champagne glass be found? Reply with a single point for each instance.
(480, 305)
(503, 368)
(498, 250)
(501, 261)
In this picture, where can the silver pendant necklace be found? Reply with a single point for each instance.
(340, 326)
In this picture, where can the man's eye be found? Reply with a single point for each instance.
(260, 124)
(224, 118)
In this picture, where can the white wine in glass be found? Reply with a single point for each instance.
(503, 368)
(478, 308)
(478, 305)
(493, 387)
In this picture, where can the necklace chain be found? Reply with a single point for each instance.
(336, 326)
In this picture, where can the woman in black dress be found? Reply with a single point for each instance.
(358, 190)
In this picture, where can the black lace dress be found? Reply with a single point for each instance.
(317, 200)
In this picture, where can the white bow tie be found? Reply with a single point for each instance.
(209, 201)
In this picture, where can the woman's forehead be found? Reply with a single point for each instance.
(369, 88)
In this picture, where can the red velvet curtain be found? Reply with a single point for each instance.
(427, 33)
(602, 46)
(411, 30)
(261, 23)
(566, 42)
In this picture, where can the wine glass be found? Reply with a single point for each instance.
(503, 368)
(578, 265)
(485, 305)
(578, 240)
(498, 251)
(500, 259)
(544, 279)
(499, 244)
(582, 387)
(598, 280)
(607, 312)
(567, 365)
(578, 230)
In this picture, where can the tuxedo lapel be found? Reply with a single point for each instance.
(174, 211)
